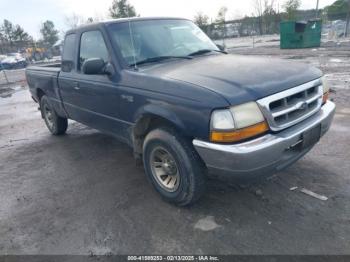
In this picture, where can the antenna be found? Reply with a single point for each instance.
(131, 38)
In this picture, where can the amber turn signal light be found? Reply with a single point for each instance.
(240, 134)
(325, 97)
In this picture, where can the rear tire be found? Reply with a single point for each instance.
(173, 166)
(57, 125)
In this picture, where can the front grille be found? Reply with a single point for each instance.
(292, 106)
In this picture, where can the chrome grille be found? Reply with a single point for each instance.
(289, 107)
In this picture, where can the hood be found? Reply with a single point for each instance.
(238, 78)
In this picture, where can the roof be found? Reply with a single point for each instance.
(123, 20)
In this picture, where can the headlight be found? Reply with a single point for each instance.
(326, 89)
(247, 115)
(237, 123)
(325, 85)
(222, 120)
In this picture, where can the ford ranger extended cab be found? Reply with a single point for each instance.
(187, 108)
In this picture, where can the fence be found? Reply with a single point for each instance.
(334, 29)
(17, 76)
(8, 77)
(268, 23)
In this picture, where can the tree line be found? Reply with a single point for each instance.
(267, 16)
(14, 37)
(118, 9)
(265, 19)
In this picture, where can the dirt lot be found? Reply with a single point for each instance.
(83, 194)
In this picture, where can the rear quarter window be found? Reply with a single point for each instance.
(68, 53)
(68, 48)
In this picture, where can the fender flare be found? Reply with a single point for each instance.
(162, 112)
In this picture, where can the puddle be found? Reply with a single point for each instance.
(8, 91)
(206, 224)
(296, 57)
(336, 60)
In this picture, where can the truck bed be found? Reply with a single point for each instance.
(43, 78)
(53, 67)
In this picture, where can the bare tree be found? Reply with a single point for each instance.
(267, 16)
(259, 10)
(202, 21)
(270, 17)
(221, 20)
(291, 7)
(74, 20)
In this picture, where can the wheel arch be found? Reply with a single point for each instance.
(150, 119)
(40, 93)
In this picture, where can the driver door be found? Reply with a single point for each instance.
(97, 97)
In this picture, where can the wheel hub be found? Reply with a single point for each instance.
(164, 169)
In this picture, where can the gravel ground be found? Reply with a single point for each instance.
(83, 194)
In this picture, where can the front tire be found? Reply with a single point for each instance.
(173, 167)
(57, 125)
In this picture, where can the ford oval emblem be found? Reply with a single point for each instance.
(302, 106)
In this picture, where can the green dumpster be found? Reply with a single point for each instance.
(300, 34)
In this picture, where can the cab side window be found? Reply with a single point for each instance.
(92, 45)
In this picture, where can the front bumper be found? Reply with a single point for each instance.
(264, 155)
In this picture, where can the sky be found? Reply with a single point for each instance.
(31, 13)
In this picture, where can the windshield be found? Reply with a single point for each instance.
(158, 38)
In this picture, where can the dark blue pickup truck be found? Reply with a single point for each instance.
(187, 108)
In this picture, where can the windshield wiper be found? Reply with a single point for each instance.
(204, 51)
(157, 59)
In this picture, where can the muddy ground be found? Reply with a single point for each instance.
(83, 194)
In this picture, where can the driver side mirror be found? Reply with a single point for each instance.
(93, 66)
